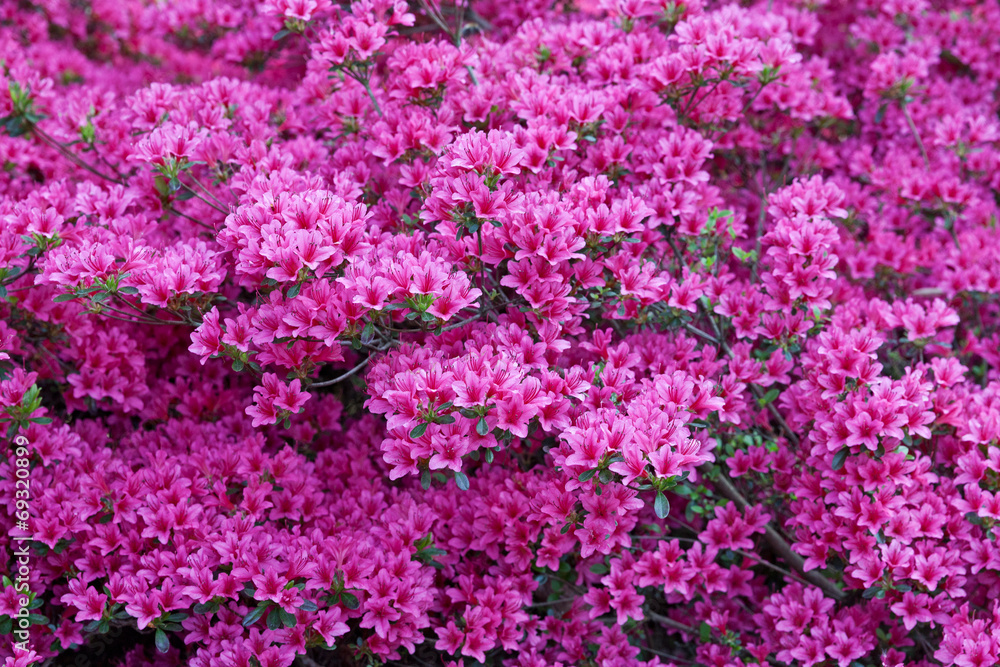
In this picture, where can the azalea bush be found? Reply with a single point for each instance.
(610, 333)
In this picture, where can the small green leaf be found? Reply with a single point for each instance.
(287, 619)
(274, 619)
(769, 397)
(462, 481)
(206, 607)
(880, 114)
(255, 614)
(308, 605)
(584, 476)
(705, 632)
(661, 505)
(64, 297)
(425, 480)
(350, 600)
(839, 458)
(418, 430)
(482, 428)
(368, 333)
(294, 290)
(162, 641)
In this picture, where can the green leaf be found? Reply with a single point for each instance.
(281, 34)
(350, 600)
(880, 114)
(418, 430)
(445, 419)
(274, 619)
(661, 505)
(769, 397)
(294, 290)
(368, 333)
(482, 428)
(255, 614)
(425, 480)
(162, 641)
(462, 481)
(705, 632)
(64, 297)
(287, 619)
(839, 458)
(42, 420)
(206, 607)
(237, 365)
(308, 605)
(584, 476)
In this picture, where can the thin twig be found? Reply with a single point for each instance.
(698, 332)
(206, 190)
(916, 135)
(341, 378)
(195, 193)
(663, 654)
(777, 542)
(72, 157)
(671, 623)
(306, 661)
(194, 220)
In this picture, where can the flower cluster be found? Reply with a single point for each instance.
(619, 333)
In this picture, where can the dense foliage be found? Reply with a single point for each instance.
(525, 333)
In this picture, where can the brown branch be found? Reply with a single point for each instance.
(777, 542)
(671, 623)
(341, 378)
